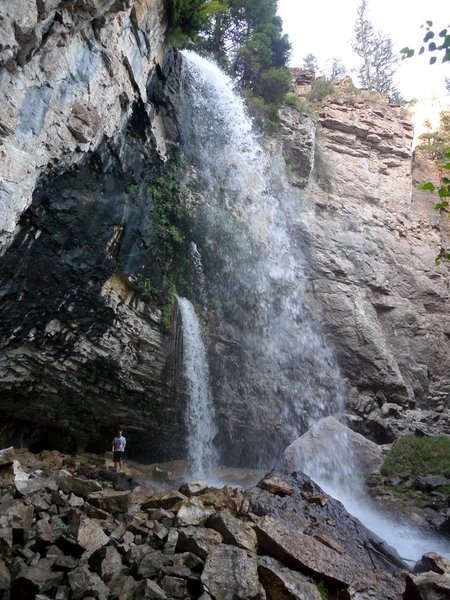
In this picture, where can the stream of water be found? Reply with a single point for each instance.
(259, 269)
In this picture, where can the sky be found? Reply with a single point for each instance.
(325, 28)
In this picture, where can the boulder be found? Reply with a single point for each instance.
(35, 579)
(193, 488)
(166, 500)
(306, 553)
(5, 580)
(234, 531)
(6, 456)
(106, 562)
(193, 512)
(231, 573)
(284, 584)
(77, 485)
(174, 587)
(148, 590)
(83, 583)
(199, 541)
(110, 501)
(428, 586)
(275, 485)
(325, 435)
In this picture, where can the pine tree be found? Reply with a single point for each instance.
(310, 63)
(377, 54)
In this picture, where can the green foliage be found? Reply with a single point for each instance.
(435, 44)
(321, 88)
(298, 101)
(171, 294)
(443, 191)
(412, 455)
(322, 590)
(149, 287)
(435, 143)
(246, 38)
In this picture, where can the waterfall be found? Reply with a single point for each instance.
(200, 281)
(276, 376)
(258, 274)
(200, 426)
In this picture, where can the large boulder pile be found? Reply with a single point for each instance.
(70, 530)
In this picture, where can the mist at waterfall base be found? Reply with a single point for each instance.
(255, 291)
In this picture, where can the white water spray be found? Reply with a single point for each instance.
(295, 369)
(202, 457)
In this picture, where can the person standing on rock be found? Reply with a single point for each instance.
(118, 447)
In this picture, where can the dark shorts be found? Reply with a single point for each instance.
(118, 455)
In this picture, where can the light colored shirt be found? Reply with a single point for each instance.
(119, 443)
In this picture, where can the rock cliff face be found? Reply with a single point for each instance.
(83, 120)
(373, 238)
(82, 347)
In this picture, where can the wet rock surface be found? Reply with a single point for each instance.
(269, 546)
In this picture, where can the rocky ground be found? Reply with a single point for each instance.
(73, 528)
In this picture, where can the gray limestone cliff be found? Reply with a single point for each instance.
(86, 114)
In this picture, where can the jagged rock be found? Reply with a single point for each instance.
(31, 486)
(194, 488)
(88, 532)
(231, 573)
(5, 580)
(222, 498)
(150, 564)
(110, 501)
(166, 500)
(198, 541)
(15, 522)
(305, 553)
(123, 587)
(35, 579)
(432, 562)
(106, 562)
(77, 485)
(273, 485)
(328, 433)
(429, 585)
(82, 583)
(6, 456)
(427, 483)
(298, 132)
(234, 532)
(148, 590)
(283, 583)
(193, 512)
(174, 587)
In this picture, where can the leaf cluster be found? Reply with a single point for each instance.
(432, 42)
(443, 191)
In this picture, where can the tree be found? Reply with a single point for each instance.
(310, 63)
(376, 51)
(337, 69)
(246, 38)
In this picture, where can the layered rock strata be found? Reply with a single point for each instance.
(372, 238)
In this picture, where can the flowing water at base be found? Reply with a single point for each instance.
(253, 220)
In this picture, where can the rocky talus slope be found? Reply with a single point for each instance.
(72, 529)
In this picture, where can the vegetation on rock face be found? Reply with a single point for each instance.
(412, 455)
(246, 38)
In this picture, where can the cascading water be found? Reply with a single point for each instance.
(257, 275)
(200, 281)
(202, 457)
(277, 374)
